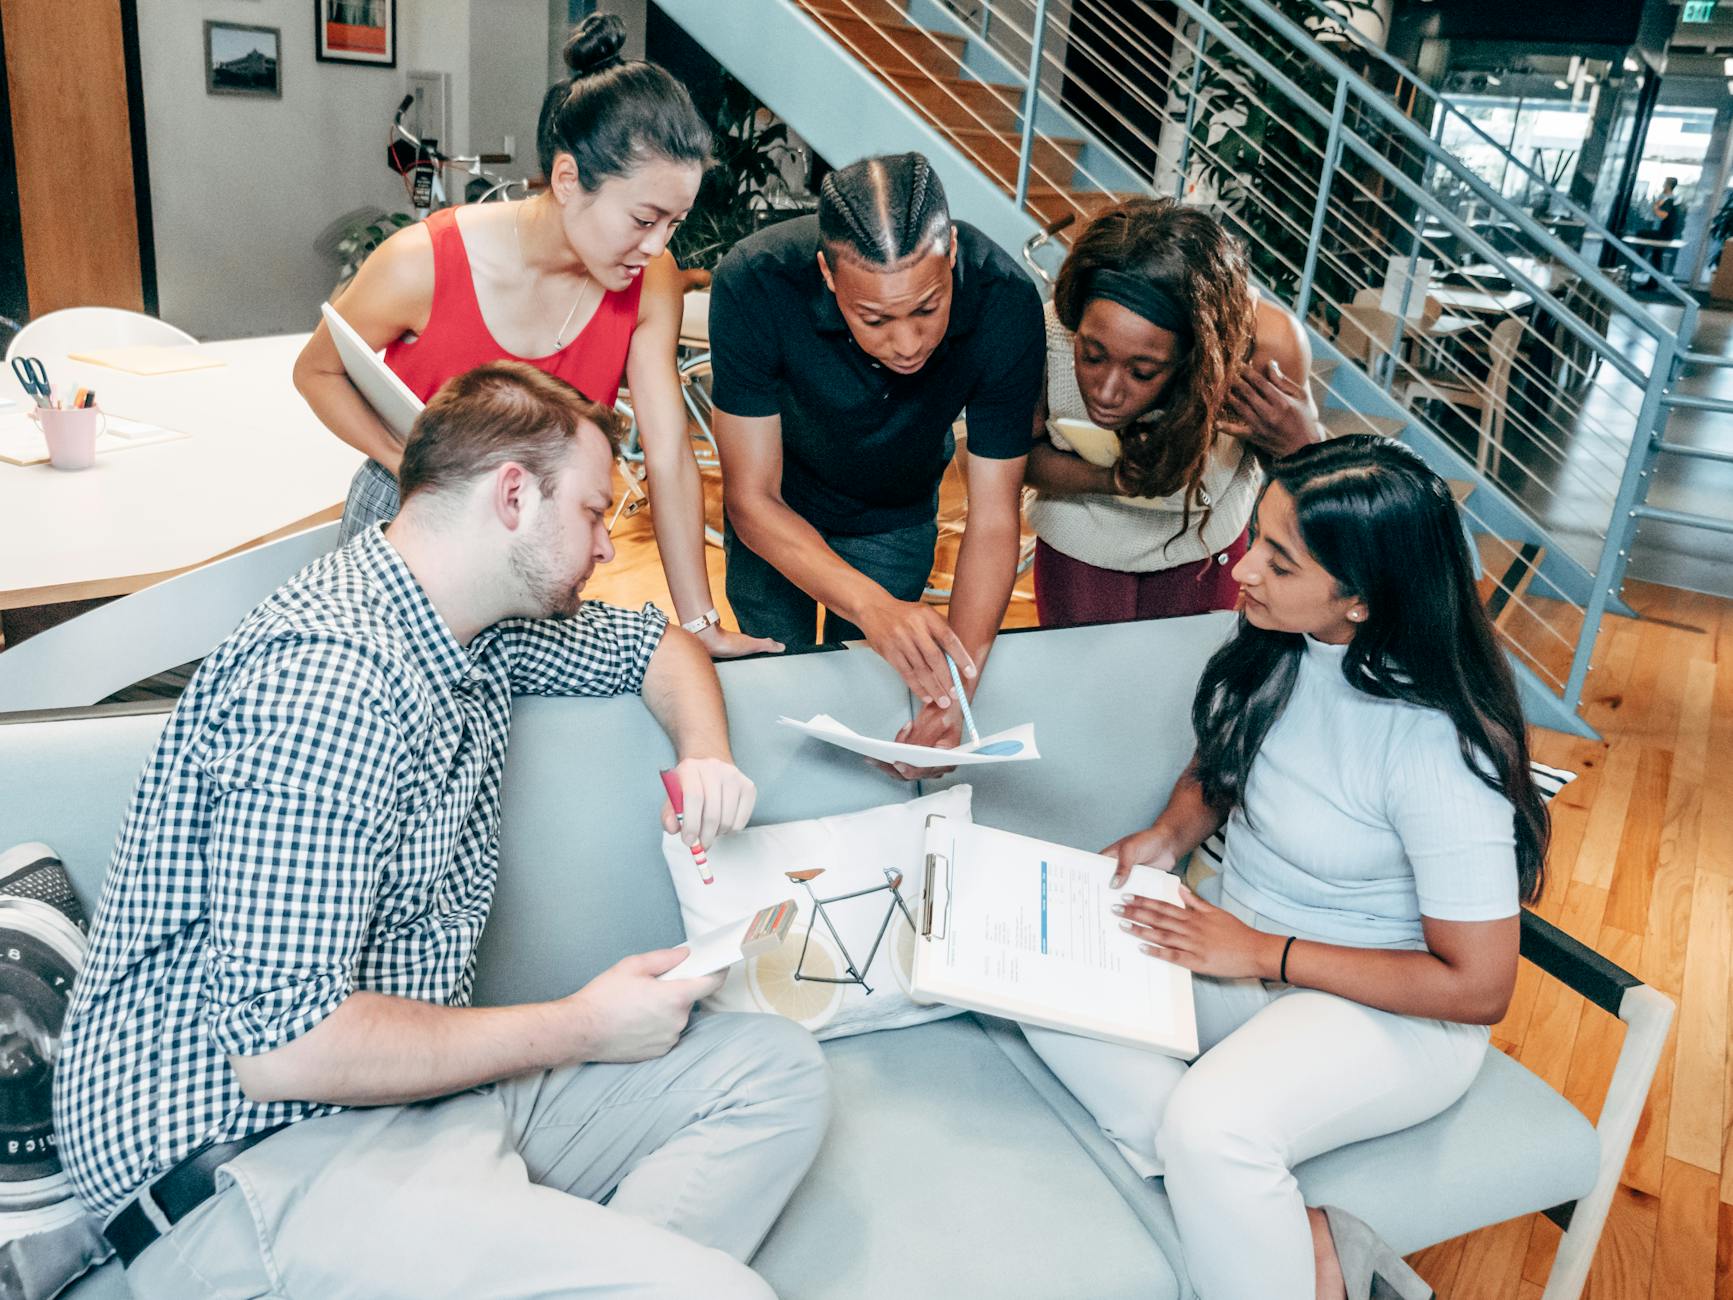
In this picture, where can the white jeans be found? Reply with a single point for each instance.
(500, 1193)
(1282, 1075)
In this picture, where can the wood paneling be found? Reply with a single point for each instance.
(72, 135)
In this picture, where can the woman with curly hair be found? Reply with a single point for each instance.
(1176, 381)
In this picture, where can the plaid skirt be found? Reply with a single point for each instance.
(372, 501)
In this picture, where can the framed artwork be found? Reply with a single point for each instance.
(355, 31)
(243, 60)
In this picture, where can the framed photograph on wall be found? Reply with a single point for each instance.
(356, 31)
(243, 60)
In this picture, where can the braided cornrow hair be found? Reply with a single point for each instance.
(883, 210)
(1185, 251)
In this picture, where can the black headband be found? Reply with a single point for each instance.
(1150, 301)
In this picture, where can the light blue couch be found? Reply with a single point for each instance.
(956, 1166)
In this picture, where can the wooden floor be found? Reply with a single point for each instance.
(1642, 870)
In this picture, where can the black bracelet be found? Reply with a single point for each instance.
(1283, 977)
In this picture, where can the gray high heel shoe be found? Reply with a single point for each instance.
(1370, 1268)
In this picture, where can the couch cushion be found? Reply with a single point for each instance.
(69, 783)
(1511, 1146)
(105, 1283)
(1112, 712)
(946, 1174)
(581, 880)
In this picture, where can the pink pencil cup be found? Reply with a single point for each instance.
(71, 434)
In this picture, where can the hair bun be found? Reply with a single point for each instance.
(595, 44)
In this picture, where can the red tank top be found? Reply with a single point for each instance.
(457, 338)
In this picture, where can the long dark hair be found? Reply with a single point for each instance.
(613, 113)
(1186, 252)
(1384, 526)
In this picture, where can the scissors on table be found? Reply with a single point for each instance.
(34, 378)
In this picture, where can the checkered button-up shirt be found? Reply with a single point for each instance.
(321, 816)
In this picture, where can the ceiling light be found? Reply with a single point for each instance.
(1562, 84)
(1494, 81)
(1727, 66)
(1730, 87)
(1630, 64)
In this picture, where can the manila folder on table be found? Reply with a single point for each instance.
(1018, 928)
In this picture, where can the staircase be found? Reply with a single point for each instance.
(1342, 197)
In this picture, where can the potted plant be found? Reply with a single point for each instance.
(1721, 233)
(745, 190)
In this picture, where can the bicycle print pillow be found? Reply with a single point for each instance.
(865, 941)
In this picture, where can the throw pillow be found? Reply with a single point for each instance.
(47, 1239)
(845, 966)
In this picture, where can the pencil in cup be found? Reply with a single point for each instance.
(671, 784)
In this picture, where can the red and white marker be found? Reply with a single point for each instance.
(671, 784)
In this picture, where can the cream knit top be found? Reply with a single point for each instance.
(1132, 534)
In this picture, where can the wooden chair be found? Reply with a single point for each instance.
(1490, 398)
(89, 658)
(74, 329)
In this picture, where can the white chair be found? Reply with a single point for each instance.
(89, 658)
(75, 329)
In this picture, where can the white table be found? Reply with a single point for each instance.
(257, 464)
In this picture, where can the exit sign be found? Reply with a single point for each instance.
(1699, 11)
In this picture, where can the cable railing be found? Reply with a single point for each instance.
(1333, 190)
(1547, 442)
(1424, 104)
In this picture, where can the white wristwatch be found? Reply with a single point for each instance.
(709, 618)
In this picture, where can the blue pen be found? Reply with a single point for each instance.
(999, 748)
(963, 699)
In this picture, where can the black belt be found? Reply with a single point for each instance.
(177, 1194)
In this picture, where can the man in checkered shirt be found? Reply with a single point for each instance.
(271, 1081)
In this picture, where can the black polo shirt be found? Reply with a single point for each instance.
(863, 448)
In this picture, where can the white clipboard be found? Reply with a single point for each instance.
(1019, 928)
(391, 399)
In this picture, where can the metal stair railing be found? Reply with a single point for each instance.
(1363, 182)
(1511, 597)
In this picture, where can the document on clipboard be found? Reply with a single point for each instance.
(1019, 928)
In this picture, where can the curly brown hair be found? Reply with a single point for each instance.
(1186, 252)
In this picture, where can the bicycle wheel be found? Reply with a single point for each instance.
(805, 1001)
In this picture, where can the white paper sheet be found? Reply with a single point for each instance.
(22, 443)
(1025, 929)
(828, 729)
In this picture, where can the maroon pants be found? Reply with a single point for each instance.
(1069, 592)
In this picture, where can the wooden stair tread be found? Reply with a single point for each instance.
(1460, 489)
(877, 10)
(1507, 570)
(887, 48)
(1340, 420)
(1071, 144)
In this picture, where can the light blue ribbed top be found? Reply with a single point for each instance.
(1360, 817)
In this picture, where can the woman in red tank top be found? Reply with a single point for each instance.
(575, 281)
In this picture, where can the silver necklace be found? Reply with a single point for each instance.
(560, 339)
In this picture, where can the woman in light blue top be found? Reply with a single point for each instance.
(1361, 740)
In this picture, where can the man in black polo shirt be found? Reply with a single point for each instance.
(845, 346)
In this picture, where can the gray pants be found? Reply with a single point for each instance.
(649, 1180)
(768, 604)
